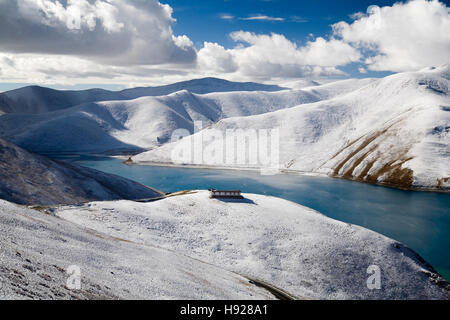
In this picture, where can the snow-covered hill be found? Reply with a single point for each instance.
(35, 99)
(336, 88)
(300, 84)
(282, 243)
(200, 86)
(393, 131)
(37, 249)
(28, 178)
(129, 126)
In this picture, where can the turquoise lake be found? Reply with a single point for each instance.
(421, 220)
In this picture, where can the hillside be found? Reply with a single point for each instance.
(300, 84)
(200, 86)
(38, 248)
(36, 99)
(336, 88)
(129, 126)
(287, 245)
(393, 131)
(27, 178)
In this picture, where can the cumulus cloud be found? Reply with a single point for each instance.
(214, 57)
(69, 70)
(332, 52)
(275, 56)
(407, 36)
(132, 42)
(105, 31)
(402, 37)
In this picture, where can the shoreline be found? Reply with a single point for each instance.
(280, 171)
(249, 169)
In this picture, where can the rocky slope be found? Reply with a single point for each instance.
(27, 178)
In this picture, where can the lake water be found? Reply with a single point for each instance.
(421, 220)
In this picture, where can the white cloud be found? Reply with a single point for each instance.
(266, 56)
(226, 16)
(407, 36)
(131, 41)
(356, 16)
(106, 31)
(215, 58)
(328, 53)
(69, 70)
(75, 16)
(260, 17)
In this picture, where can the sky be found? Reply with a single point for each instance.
(114, 44)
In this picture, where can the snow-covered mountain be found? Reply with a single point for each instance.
(333, 89)
(28, 178)
(133, 125)
(35, 99)
(279, 242)
(300, 84)
(200, 86)
(192, 247)
(37, 250)
(130, 126)
(393, 131)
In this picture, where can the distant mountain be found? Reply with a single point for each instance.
(393, 131)
(200, 86)
(35, 99)
(131, 126)
(337, 88)
(300, 84)
(27, 178)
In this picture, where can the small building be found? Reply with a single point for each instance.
(229, 194)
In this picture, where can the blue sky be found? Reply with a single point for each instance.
(200, 19)
(281, 40)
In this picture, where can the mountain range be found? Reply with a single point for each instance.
(135, 125)
(36, 99)
(54, 215)
(392, 131)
